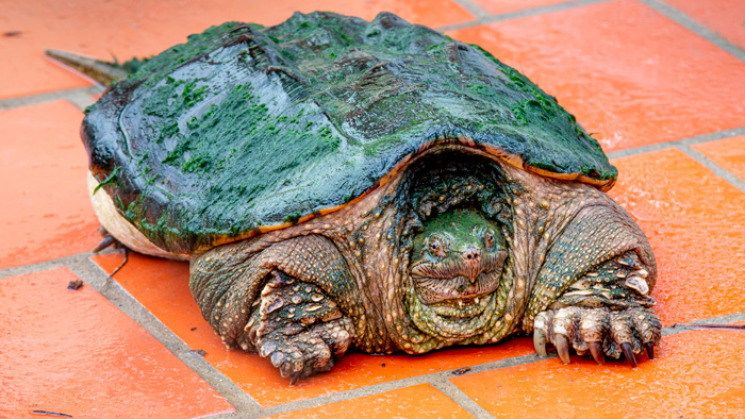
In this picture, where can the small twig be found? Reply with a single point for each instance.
(124, 262)
(48, 413)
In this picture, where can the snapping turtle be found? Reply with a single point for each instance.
(340, 183)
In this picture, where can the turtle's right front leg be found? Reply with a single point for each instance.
(294, 303)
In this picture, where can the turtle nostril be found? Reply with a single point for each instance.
(471, 254)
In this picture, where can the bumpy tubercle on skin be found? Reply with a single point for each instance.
(369, 236)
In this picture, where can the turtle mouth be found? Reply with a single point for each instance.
(459, 284)
(460, 290)
(461, 308)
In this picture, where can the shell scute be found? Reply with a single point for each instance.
(244, 127)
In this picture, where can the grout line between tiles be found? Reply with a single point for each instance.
(698, 139)
(440, 380)
(93, 275)
(473, 8)
(81, 100)
(717, 169)
(486, 19)
(731, 318)
(245, 406)
(344, 395)
(434, 379)
(232, 415)
(47, 265)
(696, 27)
(458, 396)
(78, 97)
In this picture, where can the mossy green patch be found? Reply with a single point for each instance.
(110, 179)
(245, 126)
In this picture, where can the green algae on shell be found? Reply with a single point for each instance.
(246, 128)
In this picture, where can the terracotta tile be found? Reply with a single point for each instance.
(506, 6)
(162, 287)
(728, 153)
(695, 374)
(694, 221)
(628, 73)
(45, 208)
(417, 401)
(74, 352)
(722, 16)
(127, 29)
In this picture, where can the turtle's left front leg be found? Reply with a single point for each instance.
(607, 312)
(592, 292)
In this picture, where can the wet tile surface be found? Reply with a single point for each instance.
(45, 211)
(139, 29)
(417, 401)
(695, 222)
(725, 17)
(611, 65)
(688, 378)
(162, 287)
(629, 73)
(728, 153)
(73, 352)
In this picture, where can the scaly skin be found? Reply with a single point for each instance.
(589, 253)
(572, 267)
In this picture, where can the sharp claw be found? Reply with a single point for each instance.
(539, 334)
(539, 342)
(295, 377)
(277, 358)
(650, 349)
(562, 347)
(629, 354)
(638, 284)
(597, 352)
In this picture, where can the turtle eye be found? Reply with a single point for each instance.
(489, 240)
(437, 246)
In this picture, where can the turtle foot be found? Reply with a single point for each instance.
(107, 240)
(301, 331)
(306, 353)
(599, 332)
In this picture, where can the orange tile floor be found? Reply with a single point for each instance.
(661, 83)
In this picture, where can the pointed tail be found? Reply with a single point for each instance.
(103, 72)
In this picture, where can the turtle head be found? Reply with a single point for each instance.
(457, 257)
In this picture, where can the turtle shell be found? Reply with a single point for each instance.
(244, 129)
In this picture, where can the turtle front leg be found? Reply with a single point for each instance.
(298, 328)
(605, 313)
(591, 293)
(295, 302)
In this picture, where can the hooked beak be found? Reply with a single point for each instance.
(472, 263)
